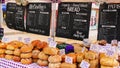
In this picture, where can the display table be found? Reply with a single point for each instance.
(11, 64)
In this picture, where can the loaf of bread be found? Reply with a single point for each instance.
(108, 61)
(67, 65)
(35, 53)
(54, 65)
(55, 59)
(50, 50)
(42, 62)
(43, 56)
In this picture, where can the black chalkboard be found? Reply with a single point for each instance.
(15, 16)
(38, 18)
(73, 20)
(108, 27)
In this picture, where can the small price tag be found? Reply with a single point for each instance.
(83, 49)
(68, 59)
(5, 39)
(102, 49)
(19, 38)
(53, 44)
(86, 42)
(50, 39)
(84, 64)
(114, 42)
(109, 52)
(95, 48)
(62, 51)
(118, 43)
(27, 40)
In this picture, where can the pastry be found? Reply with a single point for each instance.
(55, 59)
(50, 50)
(42, 62)
(16, 58)
(2, 51)
(43, 56)
(3, 45)
(26, 61)
(54, 65)
(10, 47)
(26, 55)
(9, 57)
(2, 55)
(9, 52)
(35, 53)
(26, 48)
(17, 52)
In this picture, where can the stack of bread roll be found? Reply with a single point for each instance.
(68, 65)
(2, 49)
(54, 61)
(9, 51)
(26, 54)
(35, 55)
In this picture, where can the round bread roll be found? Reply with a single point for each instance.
(26, 48)
(34, 42)
(3, 45)
(16, 43)
(42, 62)
(80, 57)
(2, 55)
(9, 57)
(10, 47)
(54, 65)
(16, 58)
(55, 59)
(17, 52)
(9, 52)
(42, 56)
(26, 55)
(2, 51)
(35, 53)
(26, 61)
(50, 50)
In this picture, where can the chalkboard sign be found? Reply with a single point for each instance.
(15, 16)
(38, 18)
(108, 27)
(73, 20)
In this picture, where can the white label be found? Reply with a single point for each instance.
(27, 40)
(84, 64)
(118, 43)
(95, 48)
(53, 44)
(5, 39)
(19, 38)
(102, 49)
(86, 42)
(50, 39)
(114, 42)
(83, 49)
(62, 51)
(68, 59)
(109, 52)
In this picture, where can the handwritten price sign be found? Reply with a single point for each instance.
(84, 64)
(27, 40)
(53, 44)
(68, 59)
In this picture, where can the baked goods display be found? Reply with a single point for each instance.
(41, 53)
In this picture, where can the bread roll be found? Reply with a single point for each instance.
(55, 59)
(16, 43)
(3, 45)
(9, 57)
(94, 63)
(26, 55)
(26, 48)
(34, 42)
(9, 52)
(79, 49)
(54, 65)
(2, 51)
(43, 56)
(66, 65)
(80, 57)
(50, 51)
(91, 55)
(106, 67)
(42, 62)
(2, 55)
(10, 47)
(16, 58)
(26, 61)
(35, 53)
(108, 61)
(17, 52)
